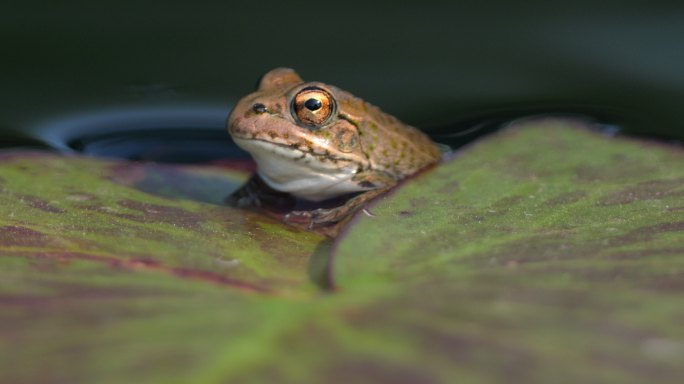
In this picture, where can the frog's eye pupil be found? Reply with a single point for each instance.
(313, 104)
(313, 107)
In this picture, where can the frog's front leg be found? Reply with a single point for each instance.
(325, 216)
(247, 195)
(256, 194)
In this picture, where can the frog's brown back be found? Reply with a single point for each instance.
(391, 145)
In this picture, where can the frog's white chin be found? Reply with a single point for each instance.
(301, 174)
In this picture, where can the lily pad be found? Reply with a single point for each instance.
(116, 271)
(146, 216)
(545, 253)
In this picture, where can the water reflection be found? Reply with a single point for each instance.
(162, 134)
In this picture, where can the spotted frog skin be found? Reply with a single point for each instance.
(317, 142)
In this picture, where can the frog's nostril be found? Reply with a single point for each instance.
(259, 108)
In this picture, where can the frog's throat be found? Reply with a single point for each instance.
(302, 174)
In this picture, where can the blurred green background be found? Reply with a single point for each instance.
(433, 64)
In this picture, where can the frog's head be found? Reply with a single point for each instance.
(295, 129)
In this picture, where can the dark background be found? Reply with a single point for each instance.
(436, 65)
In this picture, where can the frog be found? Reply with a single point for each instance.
(317, 142)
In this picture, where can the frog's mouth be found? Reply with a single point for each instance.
(304, 174)
(263, 149)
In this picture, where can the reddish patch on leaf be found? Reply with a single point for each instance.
(9, 155)
(126, 173)
(154, 213)
(670, 284)
(649, 190)
(38, 203)
(646, 233)
(146, 264)
(16, 236)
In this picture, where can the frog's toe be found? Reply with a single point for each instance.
(311, 219)
(298, 217)
(324, 216)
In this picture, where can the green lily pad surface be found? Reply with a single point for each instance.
(544, 253)
(108, 270)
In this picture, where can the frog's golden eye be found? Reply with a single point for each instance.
(313, 106)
